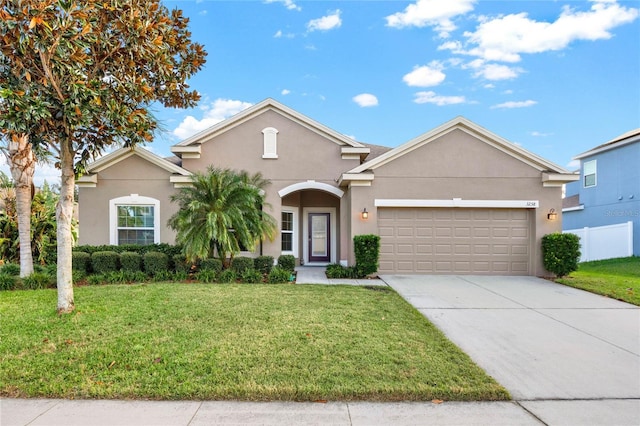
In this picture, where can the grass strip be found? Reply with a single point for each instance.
(616, 278)
(241, 342)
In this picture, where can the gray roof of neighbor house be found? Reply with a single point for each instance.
(375, 150)
(626, 138)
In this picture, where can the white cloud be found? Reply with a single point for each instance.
(489, 86)
(289, 4)
(326, 23)
(496, 72)
(366, 100)
(515, 104)
(435, 13)
(426, 75)
(280, 34)
(218, 110)
(285, 92)
(431, 98)
(540, 134)
(506, 37)
(202, 12)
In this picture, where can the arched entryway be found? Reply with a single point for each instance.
(310, 222)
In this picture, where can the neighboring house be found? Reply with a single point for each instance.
(455, 200)
(608, 193)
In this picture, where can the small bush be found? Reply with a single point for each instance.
(130, 261)
(78, 276)
(7, 281)
(263, 264)
(228, 276)
(155, 263)
(279, 275)
(251, 276)
(80, 261)
(211, 264)
(560, 253)
(287, 262)
(241, 264)
(181, 275)
(207, 276)
(337, 271)
(161, 276)
(116, 277)
(12, 269)
(103, 262)
(96, 279)
(367, 251)
(38, 281)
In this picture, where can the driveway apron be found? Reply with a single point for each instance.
(540, 340)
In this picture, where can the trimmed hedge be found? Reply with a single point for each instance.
(367, 252)
(180, 263)
(241, 264)
(130, 261)
(211, 264)
(80, 261)
(263, 264)
(103, 262)
(156, 263)
(287, 262)
(561, 253)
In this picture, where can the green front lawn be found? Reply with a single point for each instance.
(246, 342)
(615, 278)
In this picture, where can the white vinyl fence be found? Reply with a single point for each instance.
(605, 242)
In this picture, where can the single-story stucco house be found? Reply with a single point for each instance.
(457, 199)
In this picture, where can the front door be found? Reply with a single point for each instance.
(319, 237)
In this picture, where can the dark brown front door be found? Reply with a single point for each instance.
(319, 237)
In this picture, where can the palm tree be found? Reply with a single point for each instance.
(220, 212)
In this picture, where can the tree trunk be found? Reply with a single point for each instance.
(64, 214)
(22, 163)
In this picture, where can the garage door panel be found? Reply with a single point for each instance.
(455, 241)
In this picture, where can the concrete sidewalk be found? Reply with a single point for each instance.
(33, 412)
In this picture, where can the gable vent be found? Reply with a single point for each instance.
(270, 136)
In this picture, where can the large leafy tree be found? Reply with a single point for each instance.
(94, 68)
(221, 211)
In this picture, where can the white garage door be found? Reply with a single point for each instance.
(455, 241)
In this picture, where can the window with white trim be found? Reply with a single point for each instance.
(270, 139)
(134, 220)
(288, 234)
(589, 172)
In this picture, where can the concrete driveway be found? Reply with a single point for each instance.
(553, 347)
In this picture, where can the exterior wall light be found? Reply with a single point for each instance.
(364, 214)
(552, 215)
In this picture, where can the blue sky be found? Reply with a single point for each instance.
(556, 77)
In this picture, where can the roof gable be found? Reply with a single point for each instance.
(627, 138)
(90, 178)
(461, 123)
(190, 146)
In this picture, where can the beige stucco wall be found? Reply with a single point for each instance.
(303, 155)
(458, 166)
(132, 175)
